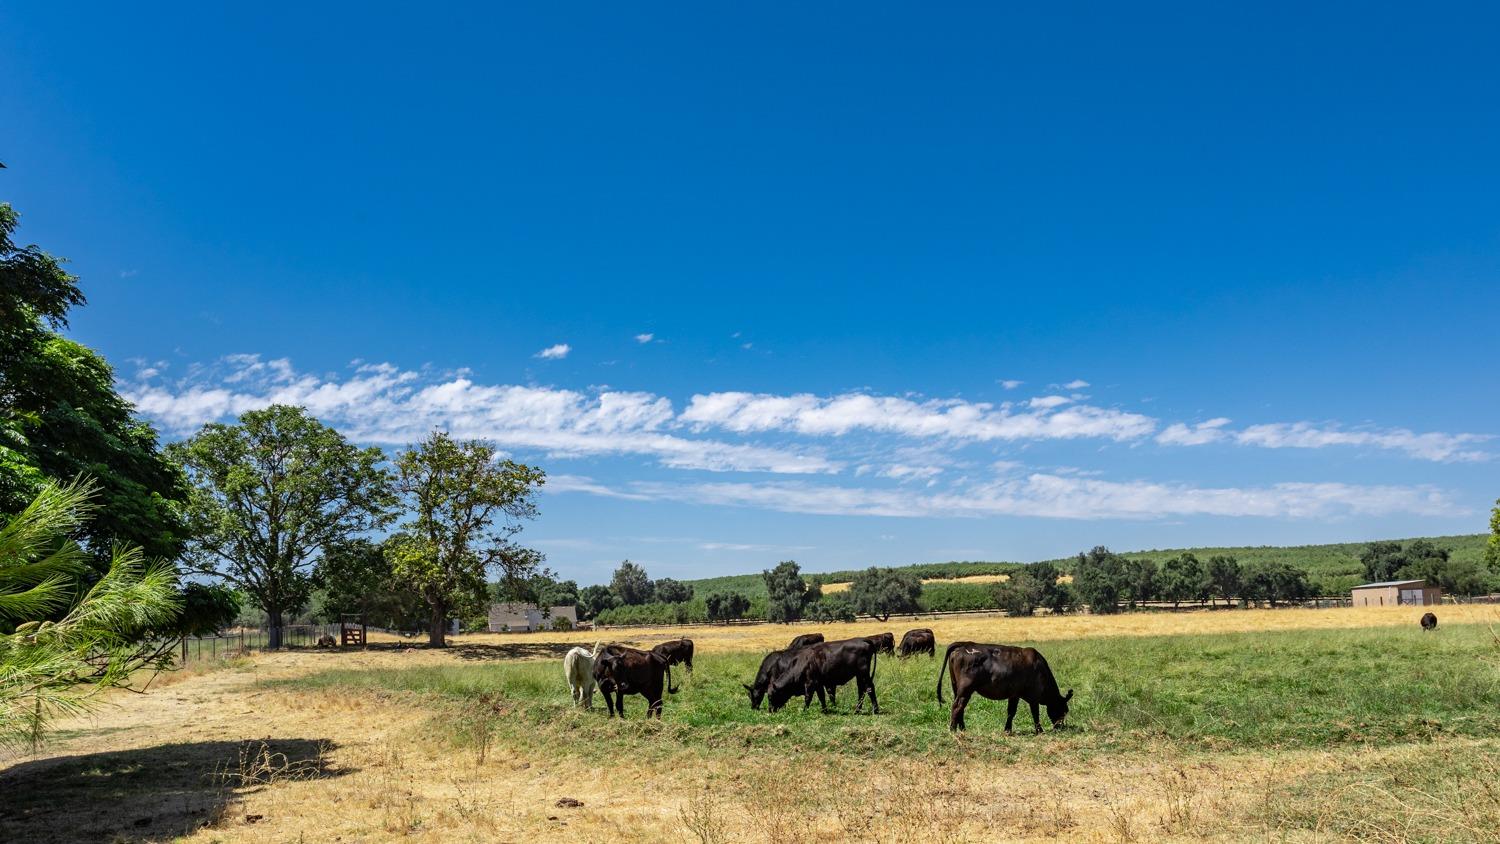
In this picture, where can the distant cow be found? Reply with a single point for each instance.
(620, 671)
(1429, 621)
(676, 651)
(825, 667)
(804, 640)
(884, 642)
(1002, 672)
(578, 667)
(918, 641)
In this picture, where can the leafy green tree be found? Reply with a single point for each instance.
(669, 591)
(464, 506)
(832, 608)
(1183, 578)
(61, 418)
(1270, 582)
(1224, 577)
(786, 593)
(355, 577)
(206, 608)
(1100, 580)
(1456, 577)
(631, 585)
(1382, 560)
(1021, 594)
(596, 599)
(1492, 548)
(65, 638)
(883, 592)
(269, 495)
(1140, 581)
(725, 606)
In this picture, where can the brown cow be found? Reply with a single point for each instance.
(619, 671)
(1429, 621)
(804, 640)
(676, 651)
(1002, 672)
(918, 641)
(824, 667)
(883, 642)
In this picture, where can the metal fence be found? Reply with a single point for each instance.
(232, 643)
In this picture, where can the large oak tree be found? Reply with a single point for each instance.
(464, 505)
(270, 495)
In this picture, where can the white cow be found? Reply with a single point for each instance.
(578, 667)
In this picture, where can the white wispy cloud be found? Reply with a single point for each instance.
(812, 415)
(1076, 384)
(1179, 433)
(556, 352)
(1011, 384)
(1058, 497)
(1433, 445)
(378, 403)
(644, 338)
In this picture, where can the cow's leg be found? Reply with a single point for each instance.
(1010, 713)
(874, 702)
(588, 696)
(620, 701)
(609, 701)
(822, 700)
(956, 715)
(654, 707)
(1036, 716)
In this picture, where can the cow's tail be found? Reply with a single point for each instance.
(670, 687)
(595, 651)
(874, 658)
(944, 668)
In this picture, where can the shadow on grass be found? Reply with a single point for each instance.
(150, 793)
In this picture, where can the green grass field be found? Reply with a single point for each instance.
(1194, 693)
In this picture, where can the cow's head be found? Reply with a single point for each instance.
(757, 693)
(1058, 711)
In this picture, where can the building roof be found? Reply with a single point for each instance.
(1391, 583)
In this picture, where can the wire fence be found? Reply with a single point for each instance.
(231, 643)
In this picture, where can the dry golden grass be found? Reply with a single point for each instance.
(370, 767)
(843, 585)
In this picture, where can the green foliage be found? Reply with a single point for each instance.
(631, 585)
(883, 592)
(955, 597)
(206, 609)
(1224, 576)
(1184, 578)
(61, 418)
(1101, 580)
(786, 593)
(269, 495)
(66, 639)
(669, 591)
(464, 505)
(726, 606)
(1272, 582)
(1032, 587)
(1140, 580)
(1492, 545)
(832, 608)
(593, 600)
(356, 577)
(1425, 560)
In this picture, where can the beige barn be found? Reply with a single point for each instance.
(1394, 593)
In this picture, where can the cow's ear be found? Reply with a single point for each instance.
(748, 689)
(1068, 696)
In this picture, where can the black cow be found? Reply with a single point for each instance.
(676, 651)
(884, 642)
(824, 667)
(918, 641)
(1002, 672)
(804, 640)
(1429, 621)
(619, 671)
(771, 667)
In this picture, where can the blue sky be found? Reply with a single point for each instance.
(863, 284)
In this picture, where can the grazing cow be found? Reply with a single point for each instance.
(578, 667)
(884, 642)
(918, 641)
(804, 640)
(1429, 621)
(774, 663)
(676, 651)
(824, 667)
(1001, 672)
(619, 671)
